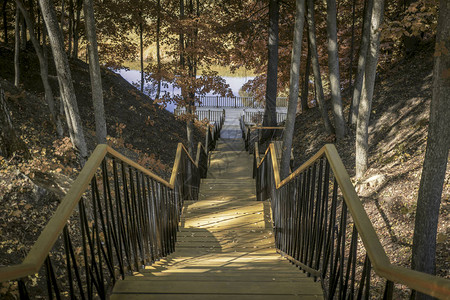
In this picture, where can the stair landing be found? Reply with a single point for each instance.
(225, 247)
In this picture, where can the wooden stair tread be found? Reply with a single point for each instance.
(225, 247)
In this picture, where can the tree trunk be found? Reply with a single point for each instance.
(141, 47)
(69, 50)
(436, 156)
(95, 73)
(76, 29)
(17, 49)
(316, 68)
(61, 23)
(363, 48)
(43, 65)
(23, 33)
(158, 56)
(293, 87)
(39, 26)
(9, 141)
(270, 109)
(365, 105)
(181, 36)
(350, 68)
(333, 67)
(5, 21)
(305, 90)
(65, 79)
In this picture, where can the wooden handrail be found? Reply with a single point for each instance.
(39, 251)
(425, 283)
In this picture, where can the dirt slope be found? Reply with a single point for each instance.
(398, 130)
(30, 190)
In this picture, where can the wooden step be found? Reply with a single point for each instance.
(225, 246)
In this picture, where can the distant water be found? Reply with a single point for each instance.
(134, 76)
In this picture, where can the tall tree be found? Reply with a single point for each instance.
(43, 66)
(270, 109)
(70, 29)
(316, 68)
(95, 73)
(333, 67)
(23, 33)
(141, 48)
(76, 28)
(5, 21)
(436, 155)
(65, 79)
(17, 49)
(362, 127)
(350, 67)
(293, 87)
(158, 54)
(363, 48)
(305, 89)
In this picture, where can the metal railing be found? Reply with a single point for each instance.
(253, 134)
(218, 101)
(256, 117)
(321, 226)
(210, 115)
(116, 218)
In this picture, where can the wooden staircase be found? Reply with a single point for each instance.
(225, 246)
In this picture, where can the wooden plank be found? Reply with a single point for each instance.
(211, 297)
(214, 287)
(244, 276)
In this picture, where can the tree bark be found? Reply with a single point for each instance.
(350, 68)
(436, 156)
(305, 90)
(141, 47)
(39, 26)
(293, 87)
(69, 50)
(333, 67)
(365, 105)
(95, 73)
(17, 49)
(158, 56)
(76, 29)
(363, 48)
(43, 65)
(189, 109)
(61, 23)
(316, 68)
(5, 21)
(9, 141)
(270, 109)
(23, 33)
(65, 79)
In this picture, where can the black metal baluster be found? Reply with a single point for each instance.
(329, 249)
(74, 261)
(323, 216)
(389, 290)
(98, 266)
(365, 273)
(109, 216)
(317, 212)
(351, 262)
(23, 292)
(51, 280)
(84, 233)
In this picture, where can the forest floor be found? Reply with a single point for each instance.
(398, 134)
(30, 190)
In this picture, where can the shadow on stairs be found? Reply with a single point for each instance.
(225, 246)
